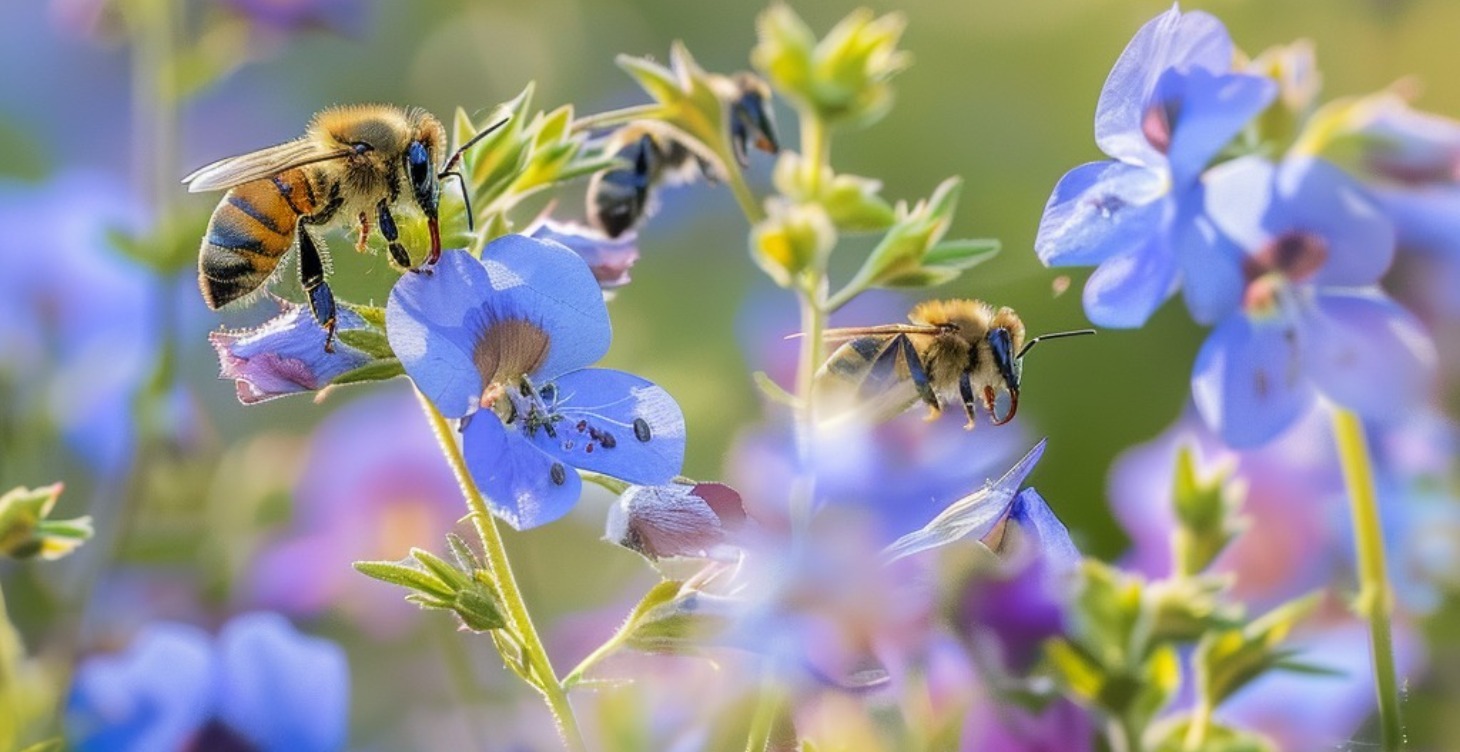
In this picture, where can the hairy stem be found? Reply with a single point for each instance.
(1375, 599)
(513, 606)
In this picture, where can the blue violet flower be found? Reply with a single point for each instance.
(511, 336)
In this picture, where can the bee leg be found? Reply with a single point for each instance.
(918, 373)
(364, 232)
(388, 230)
(311, 276)
(970, 400)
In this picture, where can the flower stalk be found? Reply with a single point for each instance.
(1375, 599)
(519, 620)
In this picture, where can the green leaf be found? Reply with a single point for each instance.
(25, 530)
(406, 576)
(373, 315)
(447, 574)
(375, 370)
(1206, 514)
(372, 342)
(466, 558)
(1172, 737)
(49, 745)
(673, 619)
(478, 609)
(1226, 661)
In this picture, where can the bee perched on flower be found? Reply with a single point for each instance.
(503, 344)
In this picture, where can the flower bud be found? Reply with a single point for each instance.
(25, 532)
(675, 520)
(795, 237)
(843, 77)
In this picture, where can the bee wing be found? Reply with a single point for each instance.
(854, 332)
(255, 165)
(863, 378)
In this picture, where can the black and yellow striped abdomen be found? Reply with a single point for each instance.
(252, 228)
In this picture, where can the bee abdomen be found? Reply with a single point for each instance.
(251, 229)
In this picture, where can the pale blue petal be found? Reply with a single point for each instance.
(599, 402)
(1213, 110)
(1239, 195)
(1425, 219)
(1101, 209)
(153, 697)
(545, 283)
(516, 477)
(1211, 264)
(1320, 198)
(973, 515)
(1130, 286)
(283, 690)
(1248, 382)
(1184, 42)
(1367, 353)
(1045, 531)
(433, 321)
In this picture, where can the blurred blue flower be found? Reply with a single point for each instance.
(79, 324)
(512, 336)
(1170, 104)
(261, 686)
(373, 485)
(1300, 314)
(284, 16)
(609, 258)
(285, 355)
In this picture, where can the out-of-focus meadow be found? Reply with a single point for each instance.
(200, 502)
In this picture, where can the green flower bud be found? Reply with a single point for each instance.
(844, 77)
(851, 201)
(25, 532)
(793, 238)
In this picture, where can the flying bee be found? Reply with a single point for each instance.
(353, 164)
(952, 351)
(620, 197)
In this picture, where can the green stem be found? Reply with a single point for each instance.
(763, 723)
(575, 676)
(753, 210)
(1375, 599)
(553, 691)
(9, 703)
(815, 151)
(1201, 722)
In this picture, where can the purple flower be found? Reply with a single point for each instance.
(1168, 107)
(504, 344)
(1012, 611)
(373, 486)
(609, 258)
(286, 354)
(1299, 314)
(259, 686)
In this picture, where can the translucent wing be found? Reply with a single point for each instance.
(255, 165)
(867, 378)
(853, 332)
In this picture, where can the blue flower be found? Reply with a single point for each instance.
(286, 354)
(260, 687)
(1293, 284)
(1168, 107)
(511, 336)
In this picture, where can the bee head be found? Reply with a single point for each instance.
(750, 119)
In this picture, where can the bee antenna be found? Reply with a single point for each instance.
(1053, 335)
(450, 165)
(449, 169)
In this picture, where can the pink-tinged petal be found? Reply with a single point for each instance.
(1101, 209)
(1249, 382)
(285, 355)
(609, 258)
(674, 520)
(614, 423)
(1172, 40)
(1317, 198)
(522, 485)
(1368, 354)
(1129, 286)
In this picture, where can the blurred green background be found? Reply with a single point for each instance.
(1002, 93)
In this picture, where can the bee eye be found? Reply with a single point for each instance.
(419, 163)
(1002, 346)
(361, 147)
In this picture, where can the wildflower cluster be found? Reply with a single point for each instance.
(857, 576)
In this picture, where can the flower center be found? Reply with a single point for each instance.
(1157, 122)
(506, 351)
(1292, 257)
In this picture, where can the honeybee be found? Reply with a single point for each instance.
(620, 197)
(353, 164)
(953, 351)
